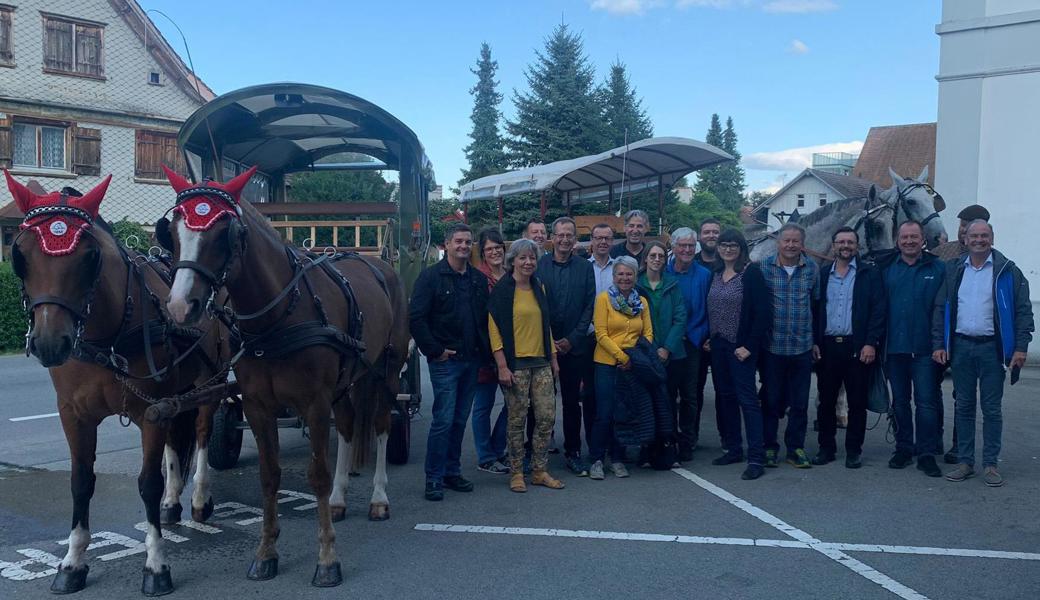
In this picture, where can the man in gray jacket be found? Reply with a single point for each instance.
(982, 323)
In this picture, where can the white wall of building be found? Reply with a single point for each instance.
(989, 122)
(812, 191)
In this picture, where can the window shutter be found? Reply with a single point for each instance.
(57, 45)
(155, 149)
(6, 50)
(88, 50)
(86, 151)
(6, 151)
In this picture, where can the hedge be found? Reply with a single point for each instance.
(12, 318)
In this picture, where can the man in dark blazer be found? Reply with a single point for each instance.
(850, 327)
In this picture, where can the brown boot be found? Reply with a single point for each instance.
(544, 478)
(516, 483)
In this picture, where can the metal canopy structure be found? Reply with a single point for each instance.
(654, 162)
(286, 127)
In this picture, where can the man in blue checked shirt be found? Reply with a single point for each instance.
(794, 280)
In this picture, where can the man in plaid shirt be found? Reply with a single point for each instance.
(794, 281)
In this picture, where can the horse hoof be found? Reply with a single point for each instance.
(378, 512)
(262, 570)
(200, 515)
(338, 513)
(168, 515)
(327, 576)
(69, 581)
(157, 584)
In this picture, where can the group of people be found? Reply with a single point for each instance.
(526, 320)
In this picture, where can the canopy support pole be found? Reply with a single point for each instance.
(500, 202)
(660, 205)
(568, 204)
(610, 199)
(541, 206)
(465, 213)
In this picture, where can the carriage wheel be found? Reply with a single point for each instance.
(225, 439)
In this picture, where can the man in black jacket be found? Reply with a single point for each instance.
(449, 322)
(570, 285)
(850, 325)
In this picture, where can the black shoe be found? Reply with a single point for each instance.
(951, 457)
(852, 461)
(900, 460)
(434, 491)
(685, 454)
(458, 483)
(927, 464)
(752, 472)
(728, 459)
(823, 457)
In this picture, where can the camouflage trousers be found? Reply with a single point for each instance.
(531, 387)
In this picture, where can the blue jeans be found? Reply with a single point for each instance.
(915, 373)
(787, 380)
(489, 440)
(454, 383)
(735, 394)
(603, 426)
(977, 373)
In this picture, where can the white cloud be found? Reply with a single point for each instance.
(798, 47)
(705, 3)
(795, 159)
(799, 6)
(623, 7)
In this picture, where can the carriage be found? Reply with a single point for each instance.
(286, 128)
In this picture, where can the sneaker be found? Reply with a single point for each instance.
(799, 459)
(728, 459)
(927, 464)
(992, 477)
(823, 457)
(900, 460)
(434, 491)
(752, 472)
(960, 473)
(771, 459)
(596, 470)
(619, 470)
(853, 461)
(577, 465)
(951, 457)
(458, 483)
(494, 467)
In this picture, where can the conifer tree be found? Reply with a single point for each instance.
(558, 117)
(623, 109)
(726, 182)
(486, 152)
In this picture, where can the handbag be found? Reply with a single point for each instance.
(879, 397)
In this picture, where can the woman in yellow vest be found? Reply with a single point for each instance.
(621, 317)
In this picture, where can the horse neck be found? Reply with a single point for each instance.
(818, 234)
(262, 271)
(109, 302)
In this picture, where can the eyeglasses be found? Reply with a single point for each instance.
(490, 249)
(729, 246)
(602, 238)
(650, 257)
(686, 246)
(564, 236)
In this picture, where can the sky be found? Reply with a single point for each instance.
(797, 76)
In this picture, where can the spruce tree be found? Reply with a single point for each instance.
(557, 117)
(622, 109)
(726, 182)
(486, 152)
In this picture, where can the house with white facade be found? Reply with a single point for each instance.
(989, 123)
(807, 191)
(89, 88)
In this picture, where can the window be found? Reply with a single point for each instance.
(153, 78)
(823, 199)
(801, 200)
(38, 146)
(155, 149)
(72, 48)
(6, 37)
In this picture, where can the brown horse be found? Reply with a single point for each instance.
(96, 323)
(300, 316)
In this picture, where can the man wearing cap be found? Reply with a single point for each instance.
(946, 252)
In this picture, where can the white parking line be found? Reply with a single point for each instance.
(32, 417)
(834, 554)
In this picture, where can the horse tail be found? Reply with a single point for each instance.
(182, 439)
(365, 400)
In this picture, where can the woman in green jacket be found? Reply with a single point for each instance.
(667, 310)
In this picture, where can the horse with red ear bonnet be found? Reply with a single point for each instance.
(300, 317)
(96, 321)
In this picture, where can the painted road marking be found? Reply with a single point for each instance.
(32, 417)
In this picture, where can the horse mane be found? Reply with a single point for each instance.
(829, 209)
(262, 225)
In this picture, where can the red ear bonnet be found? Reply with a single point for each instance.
(57, 219)
(202, 205)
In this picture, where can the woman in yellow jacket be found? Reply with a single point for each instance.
(620, 318)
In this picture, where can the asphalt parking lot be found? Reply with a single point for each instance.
(826, 532)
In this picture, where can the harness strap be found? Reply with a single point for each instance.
(301, 270)
(199, 268)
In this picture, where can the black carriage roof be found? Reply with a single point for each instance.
(286, 127)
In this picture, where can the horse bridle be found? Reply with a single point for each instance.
(903, 196)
